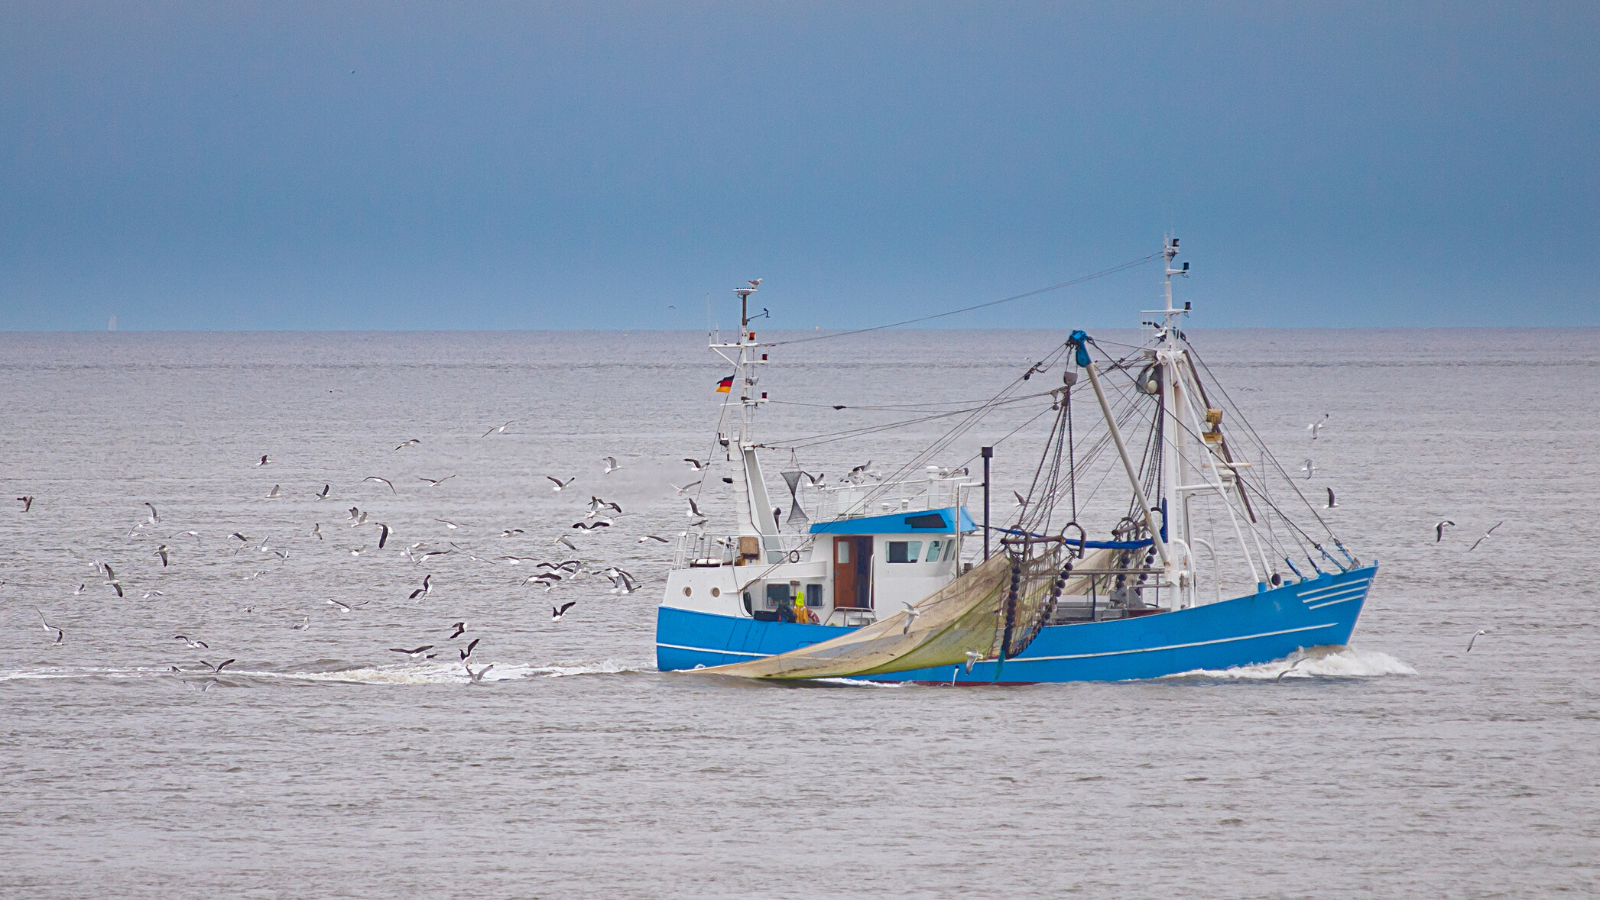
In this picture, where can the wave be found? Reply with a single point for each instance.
(1313, 662)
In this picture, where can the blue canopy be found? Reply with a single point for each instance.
(923, 521)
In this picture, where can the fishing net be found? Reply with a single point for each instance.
(995, 609)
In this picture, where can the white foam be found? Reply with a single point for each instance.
(1315, 662)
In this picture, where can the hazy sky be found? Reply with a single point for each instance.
(395, 166)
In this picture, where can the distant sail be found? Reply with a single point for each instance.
(112, 325)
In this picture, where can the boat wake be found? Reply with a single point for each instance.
(1316, 662)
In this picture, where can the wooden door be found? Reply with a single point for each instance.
(852, 571)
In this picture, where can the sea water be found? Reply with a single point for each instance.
(322, 763)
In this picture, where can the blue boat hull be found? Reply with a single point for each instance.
(1244, 631)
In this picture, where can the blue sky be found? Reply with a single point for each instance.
(488, 166)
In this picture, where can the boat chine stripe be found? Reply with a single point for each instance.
(1317, 592)
(1336, 602)
(1246, 637)
(708, 650)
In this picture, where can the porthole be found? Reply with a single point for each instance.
(716, 592)
(688, 591)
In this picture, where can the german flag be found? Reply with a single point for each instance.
(725, 385)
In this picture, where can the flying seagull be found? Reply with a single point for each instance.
(973, 657)
(194, 644)
(435, 482)
(383, 535)
(274, 493)
(559, 484)
(511, 532)
(414, 654)
(316, 530)
(1481, 631)
(264, 461)
(1020, 501)
(611, 464)
(448, 524)
(1310, 468)
(343, 607)
(411, 443)
(911, 616)
(1438, 530)
(219, 666)
(499, 428)
(1291, 668)
(1485, 536)
(48, 627)
(384, 480)
(154, 516)
(27, 502)
(685, 489)
(654, 537)
(460, 627)
(162, 551)
(694, 509)
(324, 494)
(1317, 426)
(465, 654)
(567, 543)
(1332, 503)
(425, 590)
(590, 526)
(476, 677)
(695, 464)
(557, 613)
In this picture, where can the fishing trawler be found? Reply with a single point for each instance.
(1194, 563)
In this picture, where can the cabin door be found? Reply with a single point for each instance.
(852, 571)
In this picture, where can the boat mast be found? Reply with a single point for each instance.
(751, 503)
(1174, 444)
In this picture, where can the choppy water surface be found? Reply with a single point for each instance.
(322, 764)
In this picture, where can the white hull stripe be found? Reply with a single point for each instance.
(1023, 659)
(704, 650)
(1336, 602)
(1319, 593)
(1337, 595)
(1247, 637)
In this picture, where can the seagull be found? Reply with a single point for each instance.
(1290, 669)
(559, 484)
(27, 502)
(476, 677)
(460, 627)
(621, 582)
(694, 509)
(48, 627)
(755, 283)
(1332, 503)
(425, 590)
(435, 482)
(465, 654)
(557, 613)
(596, 504)
(654, 537)
(162, 551)
(588, 526)
(683, 490)
(384, 480)
(149, 594)
(973, 657)
(219, 666)
(1317, 426)
(1485, 536)
(357, 551)
(1438, 530)
(358, 521)
(274, 494)
(911, 616)
(500, 428)
(81, 587)
(1309, 468)
(569, 544)
(611, 464)
(414, 654)
(511, 532)
(859, 472)
(264, 461)
(316, 530)
(411, 443)
(448, 524)
(343, 607)
(695, 464)
(383, 535)
(324, 494)
(154, 516)
(1020, 501)
(1481, 631)
(303, 624)
(193, 644)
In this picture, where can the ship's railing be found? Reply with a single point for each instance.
(730, 549)
(850, 617)
(937, 489)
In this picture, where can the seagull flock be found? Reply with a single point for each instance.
(174, 552)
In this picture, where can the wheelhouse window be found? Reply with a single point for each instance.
(904, 551)
(778, 595)
(933, 552)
